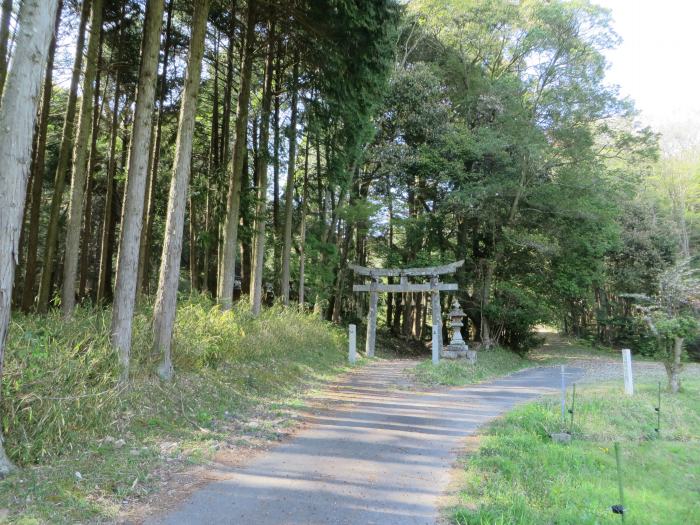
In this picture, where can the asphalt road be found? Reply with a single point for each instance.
(380, 455)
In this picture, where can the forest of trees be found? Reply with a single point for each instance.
(250, 150)
(500, 142)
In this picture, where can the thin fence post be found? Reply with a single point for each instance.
(658, 413)
(563, 395)
(573, 407)
(619, 509)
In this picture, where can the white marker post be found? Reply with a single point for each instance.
(627, 369)
(352, 344)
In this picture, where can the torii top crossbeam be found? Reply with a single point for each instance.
(409, 272)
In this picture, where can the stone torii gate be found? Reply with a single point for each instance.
(434, 287)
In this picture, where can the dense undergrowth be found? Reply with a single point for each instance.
(519, 476)
(61, 377)
(63, 406)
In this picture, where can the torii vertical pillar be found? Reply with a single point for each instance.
(370, 341)
(437, 318)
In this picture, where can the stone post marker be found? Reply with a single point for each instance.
(352, 344)
(627, 368)
(436, 344)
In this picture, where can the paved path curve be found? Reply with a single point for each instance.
(381, 455)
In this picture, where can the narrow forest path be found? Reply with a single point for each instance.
(381, 455)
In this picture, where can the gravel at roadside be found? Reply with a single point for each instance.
(597, 370)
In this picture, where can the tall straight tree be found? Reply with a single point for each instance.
(233, 201)
(144, 277)
(105, 251)
(86, 237)
(262, 160)
(289, 192)
(62, 165)
(166, 298)
(37, 177)
(18, 113)
(228, 89)
(5, 19)
(104, 277)
(302, 226)
(132, 211)
(213, 168)
(127, 117)
(276, 223)
(80, 163)
(224, 145)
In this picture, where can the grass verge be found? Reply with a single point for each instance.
(519, 476)
(490, 363)
(88, 446)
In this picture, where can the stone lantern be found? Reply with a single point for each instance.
(457, 347)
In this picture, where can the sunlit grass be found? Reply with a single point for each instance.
(519, 476)
(490, 363)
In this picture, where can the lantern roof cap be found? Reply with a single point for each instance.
(456, 309)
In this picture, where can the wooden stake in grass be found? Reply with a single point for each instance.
(571, 410)
(620, 508)
(563, 396)
(658, 413)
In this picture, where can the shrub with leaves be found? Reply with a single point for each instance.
(672, 317)
(514, 312)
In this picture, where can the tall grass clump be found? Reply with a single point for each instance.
(61, 387)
